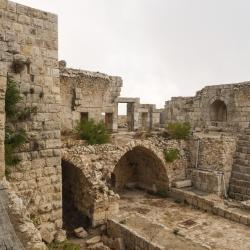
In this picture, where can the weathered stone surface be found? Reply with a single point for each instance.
(30, 40)
(80, 232)
(93, 240)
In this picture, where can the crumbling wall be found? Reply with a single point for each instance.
(30, 37)
(198, 109)
(91, 94)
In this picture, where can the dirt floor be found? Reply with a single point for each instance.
(207, 230)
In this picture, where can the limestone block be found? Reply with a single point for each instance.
(80, 232)
(182, 184)
(93, 240)
(60, 236)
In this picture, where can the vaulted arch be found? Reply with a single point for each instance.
(140, 167)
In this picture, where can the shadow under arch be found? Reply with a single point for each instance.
(76, 212)
(140, 168)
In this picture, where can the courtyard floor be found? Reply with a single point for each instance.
(204, 229)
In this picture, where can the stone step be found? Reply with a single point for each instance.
(247, 131)
(239, 196)
(240, 190)
(241, 169)
(242, 155)
(242, 162)
(243, 143)
(244, 137)
(240, 183)
(243, 149)
(240, 176)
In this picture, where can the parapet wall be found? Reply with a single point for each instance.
(29, 37)
(226, 106)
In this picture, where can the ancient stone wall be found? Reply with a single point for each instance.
(29, 39)
(211, 161)
(225, 106)
(88, 95)
(2, 124)
(93, 188)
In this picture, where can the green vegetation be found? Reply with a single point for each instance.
(93, 133)
(171, 154)
(63, 246)
(14, 136)
(163, 193)
(12, 97)
(178, 130)
(13, 141)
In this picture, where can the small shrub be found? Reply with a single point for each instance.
(12, 97)
(171, 154)
(163, 193)
(63, 246)
(13, 140)
(93, 133)
(178, 130)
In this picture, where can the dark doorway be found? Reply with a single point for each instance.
(84, 116)
(72, 217)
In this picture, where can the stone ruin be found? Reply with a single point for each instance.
(57, 171)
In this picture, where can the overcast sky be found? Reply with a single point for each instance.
(161, 48)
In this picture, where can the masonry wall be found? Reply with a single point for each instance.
(88, 92)
(197, 109)
(30, 36)
(2, 125)
(212, 170)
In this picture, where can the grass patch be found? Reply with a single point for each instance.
(93, 133)
(63, 246)
(171, 154)
(178, 130)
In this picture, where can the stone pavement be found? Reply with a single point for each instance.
(8, 237)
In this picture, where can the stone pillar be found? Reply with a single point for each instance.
(115, 118)
(136, 114)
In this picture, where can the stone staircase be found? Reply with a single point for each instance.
(239, 187)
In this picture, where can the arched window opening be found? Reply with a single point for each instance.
(218, 111)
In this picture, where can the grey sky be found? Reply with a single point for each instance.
(161, 48)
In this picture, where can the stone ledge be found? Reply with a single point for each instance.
(211, 203)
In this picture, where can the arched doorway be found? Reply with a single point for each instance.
(140, 168)
(74, 215)
(218, 111)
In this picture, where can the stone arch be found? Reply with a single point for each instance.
(218, 111)
(77, 202)
(140, 165)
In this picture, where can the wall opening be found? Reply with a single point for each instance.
(84, 116)
(109, 121)
(123, 116)
(218, 111)
(140, 168)
(72, 216)
(145, 121)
